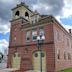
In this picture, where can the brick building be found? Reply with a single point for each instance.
(26, 25)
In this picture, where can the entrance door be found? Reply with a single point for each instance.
(16, 60)
(37, 56)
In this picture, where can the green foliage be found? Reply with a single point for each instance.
(66, 70)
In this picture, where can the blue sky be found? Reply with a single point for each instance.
(61, 9)
(67, 21)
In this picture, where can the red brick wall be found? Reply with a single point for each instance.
(50, 47)
(61, 44)
(21, 47)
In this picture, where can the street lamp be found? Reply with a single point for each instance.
(40, 40)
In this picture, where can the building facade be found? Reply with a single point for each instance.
(24, 54)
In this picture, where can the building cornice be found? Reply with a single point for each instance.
(42, 21)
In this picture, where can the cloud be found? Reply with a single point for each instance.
(54, 7)
(4, 27)
(49, 7)
(5, 9)
(61, 8)
(44, 7)
(5, 15)
(67, 9)
(3, 45)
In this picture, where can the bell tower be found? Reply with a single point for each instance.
(20, 14)
(21, 10)
(19, 55)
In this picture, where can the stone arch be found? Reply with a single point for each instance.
(16, 60)
(26, 15)
(36, 60)
(17, 13)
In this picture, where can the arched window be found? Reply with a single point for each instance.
(69, 56)
(36, 54)
(64, 55)
(17, 13)
(58, 54)
(26, 15)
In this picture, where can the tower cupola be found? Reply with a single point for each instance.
(21, 10)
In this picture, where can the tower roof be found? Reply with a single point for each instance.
(21, 4)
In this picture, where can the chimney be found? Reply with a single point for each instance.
(70, 30)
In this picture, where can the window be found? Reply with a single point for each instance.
(41, 33)
(34, 35)
(71, 45)
(64, 55)
(26, 15)
(15, 29)
(42, 55)
(27, 36)
(32, 21)
(15, 40)
(57, 35)
(36, 55)
(17, 13)
(35, 18)
(67, 42)
(14, 55)
(58, 54)
(69, 56)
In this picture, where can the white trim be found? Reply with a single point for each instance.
(8, 69)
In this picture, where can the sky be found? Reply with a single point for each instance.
(60, 9)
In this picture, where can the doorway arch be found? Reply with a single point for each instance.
(36, 61)
(16, 59)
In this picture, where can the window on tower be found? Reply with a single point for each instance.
(26, 15)
(15, 40)
(17, 13)
(27, 36)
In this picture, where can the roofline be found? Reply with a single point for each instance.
(20, 6)
(61, 26)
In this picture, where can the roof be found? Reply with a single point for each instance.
(22, 4)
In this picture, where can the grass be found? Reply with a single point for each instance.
(66, 70)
